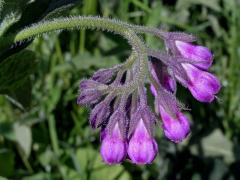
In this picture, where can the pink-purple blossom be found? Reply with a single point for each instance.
(113, 147)
(203, 85)
(142, 147)
(177, 127)
(126, 120)
(201, 56)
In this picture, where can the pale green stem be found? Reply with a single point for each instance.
(143, 29)
(129, 62)
(24, 159)
(95, 23)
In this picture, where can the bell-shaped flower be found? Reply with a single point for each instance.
(142, 147)
(199, 56)
(175, 128)
(114, 146)
(202, 85)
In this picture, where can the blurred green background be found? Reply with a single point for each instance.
(45, 135)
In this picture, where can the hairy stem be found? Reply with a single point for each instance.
(143, 29)
(98, 23)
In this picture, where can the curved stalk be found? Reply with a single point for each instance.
(98, 23)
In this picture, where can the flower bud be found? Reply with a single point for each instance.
(202, 85)
(168, 83)
(88, 84)
(176, 129)
(88, 97)
(99, 114)
(160, 73)
(142, 148)
(104, 75)
(114, 147)
(89, 93)
(201, 56)
(181, 36)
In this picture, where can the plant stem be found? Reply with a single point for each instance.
(24, 160)
(53, 134)
(99, 24)
(143, 29)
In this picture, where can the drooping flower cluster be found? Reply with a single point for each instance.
(126, 121)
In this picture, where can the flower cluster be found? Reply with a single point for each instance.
(126, 121)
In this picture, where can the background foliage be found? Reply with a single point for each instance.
(45, 135)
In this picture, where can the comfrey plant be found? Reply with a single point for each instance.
(117, 95)
(125, 118)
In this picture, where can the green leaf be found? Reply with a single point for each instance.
(215, 25)
(90, 6)
(90, 158)
(53, 99)
(46, 158)
(23, 94)
(7, 21)
(15, 70)
(10, 13)
(23, 138)
(17, 14)
(12, 6)
(6, 130)
(39, 176)
(213, 4)
(219, 170)
(216, 145)
(1, 5)
(21, 134)
(6, 162)
(56, 9)
(3, 178)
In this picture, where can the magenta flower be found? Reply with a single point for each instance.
(175, 128)
(142, 147)
(114, 146)
(119, 106)
(201, 56)
(202, 85)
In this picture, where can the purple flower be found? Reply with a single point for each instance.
(88, 97)
(99, 114)
(114, 146)
(104, 75)
(201, 56)
(167, 82)
(89, 92)
(88, 84)
(118, 98)
(180, 36)
(142, 148)
(162, 77)
(202, 85)
(175, 128)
